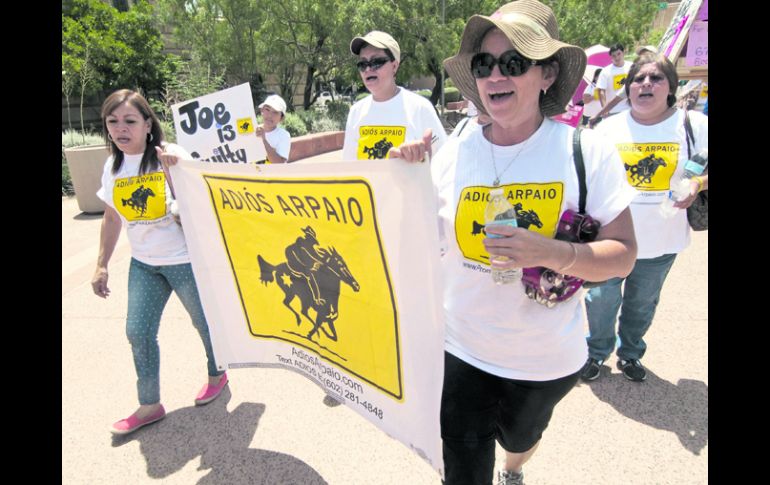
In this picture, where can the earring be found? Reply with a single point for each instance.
(545, 91)
(109, 136)
(149, 139)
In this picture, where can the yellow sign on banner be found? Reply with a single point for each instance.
(310, 269)
(538, 207)
(245, 126)
(141, 198)
(649, 166)
(375, 141)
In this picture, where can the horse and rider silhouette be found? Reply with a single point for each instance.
(524, 219)
(138, 199)
(314, 275)
(379, 150)
(645, 169)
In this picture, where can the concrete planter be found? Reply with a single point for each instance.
(86, 165)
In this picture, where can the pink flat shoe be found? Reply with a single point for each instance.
(208, 392)
(132, 423)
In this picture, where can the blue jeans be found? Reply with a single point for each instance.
(149, 288)
(639, 300)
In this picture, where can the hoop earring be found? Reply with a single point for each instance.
(149, 140)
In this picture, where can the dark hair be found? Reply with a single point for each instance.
(150, 158)
(665, 66)
(596, 74)
(617, 47)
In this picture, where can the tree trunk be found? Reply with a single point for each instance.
(435, 69)
(308, 87)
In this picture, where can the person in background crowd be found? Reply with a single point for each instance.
(277, 140)
(591, 103)
(392, 121)
(653, 145)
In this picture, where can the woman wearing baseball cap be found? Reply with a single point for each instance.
(392, 121)
(509, 359)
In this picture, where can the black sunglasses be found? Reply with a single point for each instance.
(374, 63)
(511, 64)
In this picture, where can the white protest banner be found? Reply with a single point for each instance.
(330, 270)
(219, 127)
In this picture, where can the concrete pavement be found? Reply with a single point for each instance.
(272, 427)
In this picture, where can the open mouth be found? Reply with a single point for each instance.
(500, 96)
(371, 78)
(122, 140)
(645, 95)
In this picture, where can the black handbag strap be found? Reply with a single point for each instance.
(688, 134)
(577, 155)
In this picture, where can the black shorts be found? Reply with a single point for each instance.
(478, 408)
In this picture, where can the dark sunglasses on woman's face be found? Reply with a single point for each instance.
(374, 63)
(511, 64)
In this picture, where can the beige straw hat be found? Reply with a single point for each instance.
(532, 29)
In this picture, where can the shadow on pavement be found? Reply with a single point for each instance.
(681, 408)
(221, 439)
(88, 216)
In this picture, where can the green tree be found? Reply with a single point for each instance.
(223, 34)
(125, 49)
(588, 22)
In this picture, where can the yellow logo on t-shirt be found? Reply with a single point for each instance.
(649, 166)
(141, 198)
(375, 141)
(596, 93)
(618, 81)
(537, 208)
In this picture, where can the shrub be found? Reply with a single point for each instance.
(294, 124)
(169, 132)
(338, 112)
(452, 95)
(361, 96)
(425, 93)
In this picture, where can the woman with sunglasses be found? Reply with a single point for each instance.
(391, 117)
(653, 144)
(509, 359)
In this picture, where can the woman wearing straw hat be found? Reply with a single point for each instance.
(509, 360)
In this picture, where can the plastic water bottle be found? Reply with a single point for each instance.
(500, 211)
(680, 188)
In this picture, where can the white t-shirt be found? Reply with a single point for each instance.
(280, 140)
(592, 108)
(142, 203)
(655, 235)
(612, 80)
(373, 127)
(497, 328)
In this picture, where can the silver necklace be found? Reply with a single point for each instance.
(496, 182)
